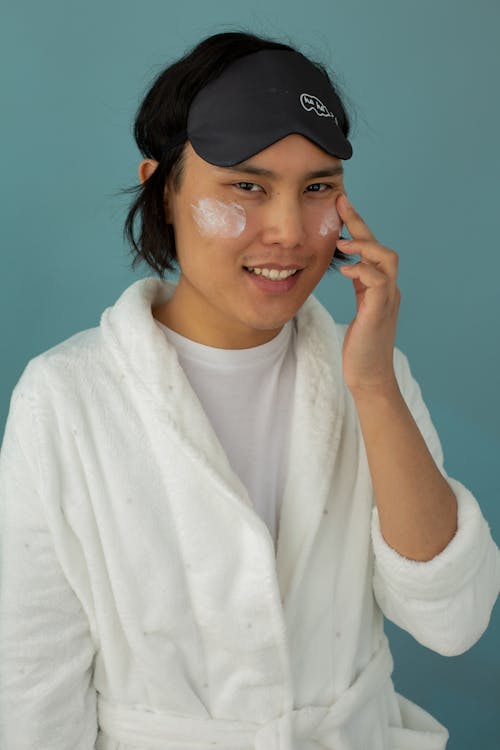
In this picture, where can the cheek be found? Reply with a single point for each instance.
(215, 218)
(329, 222)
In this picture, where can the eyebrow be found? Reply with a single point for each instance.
(246, 168)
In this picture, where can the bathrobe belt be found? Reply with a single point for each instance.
(301, 727)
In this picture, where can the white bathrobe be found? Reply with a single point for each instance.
(144, 604)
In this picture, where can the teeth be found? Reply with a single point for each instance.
(272, 273)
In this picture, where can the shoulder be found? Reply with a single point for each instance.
(68, 354)
(86, 353)
(54, 383)
(61, 368)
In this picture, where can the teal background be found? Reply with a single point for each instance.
(423, 81)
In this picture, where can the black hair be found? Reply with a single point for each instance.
(162, 114)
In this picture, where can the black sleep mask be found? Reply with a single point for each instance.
(259, 99)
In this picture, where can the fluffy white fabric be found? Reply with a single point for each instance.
(143, 603)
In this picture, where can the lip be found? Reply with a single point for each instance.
(275, 287)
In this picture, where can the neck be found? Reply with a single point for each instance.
(169, 314)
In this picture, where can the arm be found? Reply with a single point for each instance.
(417, 508)
(436, 567)
(46, 652)
(445, 602)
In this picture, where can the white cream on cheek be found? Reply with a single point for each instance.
(330, 222)
(218, 219)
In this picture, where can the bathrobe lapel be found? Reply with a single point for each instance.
(246, 577)
(152, 365)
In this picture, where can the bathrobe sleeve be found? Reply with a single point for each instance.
(46, 651)
(444, 603)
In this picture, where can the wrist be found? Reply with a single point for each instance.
(383, 391)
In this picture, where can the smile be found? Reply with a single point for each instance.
(272, 273)
(272, 280)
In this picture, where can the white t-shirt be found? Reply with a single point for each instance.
(246, 394)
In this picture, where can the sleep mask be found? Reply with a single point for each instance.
(259, 99)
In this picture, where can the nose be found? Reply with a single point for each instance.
(283, 222)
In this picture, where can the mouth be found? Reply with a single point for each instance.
(274, 281)
(275, 273)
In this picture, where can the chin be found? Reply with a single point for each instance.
(272, 324)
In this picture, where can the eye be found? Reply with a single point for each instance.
(317, 184)
(237, 184)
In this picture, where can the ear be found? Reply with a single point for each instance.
(146, 169)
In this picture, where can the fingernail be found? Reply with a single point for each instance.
(347, 202)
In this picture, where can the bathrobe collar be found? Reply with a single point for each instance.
(149, 364)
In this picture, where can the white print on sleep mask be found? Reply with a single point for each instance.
(311, 102)
(331, 222)
(218, 219)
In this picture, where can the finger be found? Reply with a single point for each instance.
(380, 256)
(373, 279)
(358, 229)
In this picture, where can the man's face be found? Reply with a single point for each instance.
(228, 219)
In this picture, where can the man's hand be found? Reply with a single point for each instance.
(369, 340)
